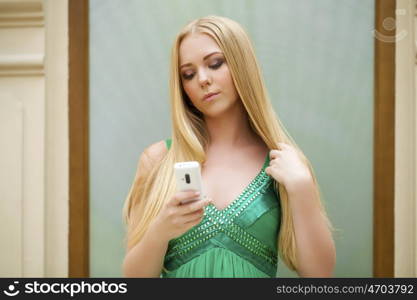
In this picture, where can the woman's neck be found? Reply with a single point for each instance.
(230, 130)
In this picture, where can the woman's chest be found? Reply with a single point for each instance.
(225, 179)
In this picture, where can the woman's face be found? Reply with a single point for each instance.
(203, 70)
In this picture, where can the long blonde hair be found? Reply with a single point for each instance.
(150, 191)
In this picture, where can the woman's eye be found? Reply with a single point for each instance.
(214, 66)
(187, 76)
(217, 64)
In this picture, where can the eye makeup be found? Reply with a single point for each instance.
(215, 64)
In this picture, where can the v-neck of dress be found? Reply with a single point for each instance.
(244, 190)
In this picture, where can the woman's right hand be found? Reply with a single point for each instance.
(176, 218)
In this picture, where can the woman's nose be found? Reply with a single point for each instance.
(203, 78)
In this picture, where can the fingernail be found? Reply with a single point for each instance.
(197, 193)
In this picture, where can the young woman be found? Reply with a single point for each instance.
(264, 197)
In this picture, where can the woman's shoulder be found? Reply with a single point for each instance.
(153, 153)
(157, 149)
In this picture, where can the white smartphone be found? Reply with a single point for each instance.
(188, 177)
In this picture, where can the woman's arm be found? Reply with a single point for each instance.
(315, 250)
(145, 259)
(316, 254)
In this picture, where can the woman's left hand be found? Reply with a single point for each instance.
(286, 166)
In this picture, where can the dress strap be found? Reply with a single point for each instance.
(168, 143)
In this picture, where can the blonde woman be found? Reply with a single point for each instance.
(263, 195)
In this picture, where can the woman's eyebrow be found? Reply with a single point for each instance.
(204, 58)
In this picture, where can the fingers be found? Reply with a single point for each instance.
(183, 197)
(191, 207)
(194, 216)
(194, 222)
(274, 153)
(190, 219)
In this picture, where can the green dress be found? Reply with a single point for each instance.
(238, 241)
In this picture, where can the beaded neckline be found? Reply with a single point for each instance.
(215, 219)
(226, 216)
(245, 190)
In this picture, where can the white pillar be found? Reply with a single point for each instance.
(406, 141)
(33, 138)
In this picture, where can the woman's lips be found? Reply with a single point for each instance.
(211, 97)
